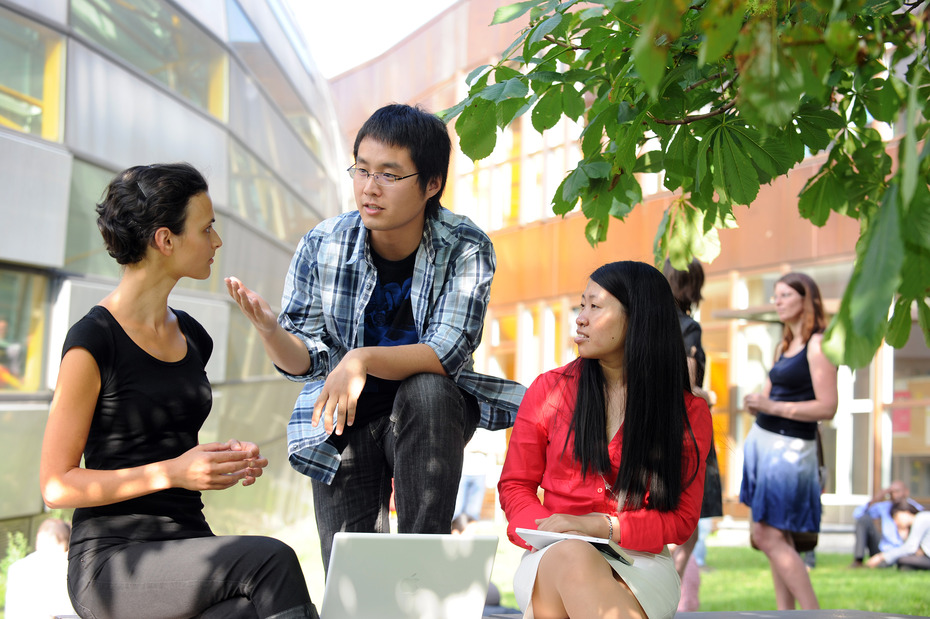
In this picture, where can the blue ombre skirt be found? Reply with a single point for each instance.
(781, 483)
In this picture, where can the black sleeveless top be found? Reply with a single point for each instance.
(148, 410)
(791, 382)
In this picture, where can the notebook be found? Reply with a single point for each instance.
(407, 576)
(540, 539)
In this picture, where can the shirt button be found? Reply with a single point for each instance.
(600, 490)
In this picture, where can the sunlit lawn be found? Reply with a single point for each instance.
(741, 580)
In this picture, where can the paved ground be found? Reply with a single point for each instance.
(833, 538)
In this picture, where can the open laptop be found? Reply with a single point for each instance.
(407, 576)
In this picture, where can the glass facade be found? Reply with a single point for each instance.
(148, 82)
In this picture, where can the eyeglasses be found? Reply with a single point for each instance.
(784, 295)
(385, 179)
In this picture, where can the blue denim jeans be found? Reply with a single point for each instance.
(228, 576)
(420, 446)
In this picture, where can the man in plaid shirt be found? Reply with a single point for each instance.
(382, 310)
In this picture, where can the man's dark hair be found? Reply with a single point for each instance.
(686, 285)
(422, 134)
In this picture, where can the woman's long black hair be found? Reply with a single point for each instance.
(656, 369)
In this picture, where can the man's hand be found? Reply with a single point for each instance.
(255, 308)
(341, 391)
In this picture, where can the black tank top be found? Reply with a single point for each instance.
(791, 382)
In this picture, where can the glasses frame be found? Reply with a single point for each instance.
(385, 179)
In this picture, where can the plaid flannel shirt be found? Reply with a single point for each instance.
(328, 286)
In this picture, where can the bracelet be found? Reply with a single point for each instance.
(610, 523)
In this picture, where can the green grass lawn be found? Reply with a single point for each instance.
(740, 580)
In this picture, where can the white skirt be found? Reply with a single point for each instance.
(652, 578)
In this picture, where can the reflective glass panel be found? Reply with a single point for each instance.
(30, 76)
(160, 41)
(252, 51)
(84, 249)
(260, 198)
(23, 312)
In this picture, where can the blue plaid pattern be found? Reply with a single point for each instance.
(328, 286)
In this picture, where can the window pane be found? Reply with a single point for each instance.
(161, 42)
(258, 196)
(30, 77)
(23, 308)
(252, 51)
(84, 249)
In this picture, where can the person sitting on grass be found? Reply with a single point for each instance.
(914, 528)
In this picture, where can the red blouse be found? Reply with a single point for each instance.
(535, 460)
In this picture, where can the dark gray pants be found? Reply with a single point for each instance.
(218, 576)
(420, 445)
(867, 537)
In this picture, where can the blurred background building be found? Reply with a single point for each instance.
(90, 87)
(881, 429)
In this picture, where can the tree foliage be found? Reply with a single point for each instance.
(722, 96)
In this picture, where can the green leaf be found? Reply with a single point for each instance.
(512, 11)
(649, 59)
(548, 110)
(544, 28)
(595, 231)
(545, 77)
(880, 260)
(843, 345)
(572, 102)
(915, 274)
(923, 319)
(451, 112)
(574, 184)
(475, 73)
(734, 176)
(596, 169)
(909, 165)
(899, 327)
(477, 129)
(917, 218)
(721, 22)
(824, 194)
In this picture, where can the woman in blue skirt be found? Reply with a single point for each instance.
(781, 481)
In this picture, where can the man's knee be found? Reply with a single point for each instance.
(428, 394)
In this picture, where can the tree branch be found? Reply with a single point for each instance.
(690, 119)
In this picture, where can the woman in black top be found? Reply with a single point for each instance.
(686, 287)
(132, 394)
(781, 482)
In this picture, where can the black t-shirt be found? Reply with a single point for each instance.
(388, 322)
(148, 410)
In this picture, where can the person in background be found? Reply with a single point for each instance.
(870, 539)
(37, 584)
(131, 397)
(781, 481)
(914, 527)
(618, 443)
(383, 308)
(686, 288)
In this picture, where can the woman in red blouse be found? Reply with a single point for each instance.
(618, 444)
